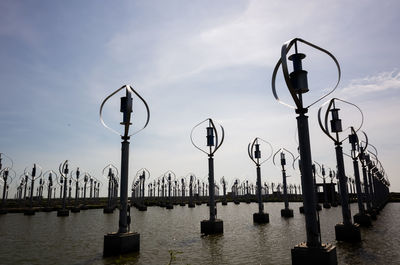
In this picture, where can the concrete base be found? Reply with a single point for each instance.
(191, 205)
(108, 209)
(29, 212)
(208, 227)
(224, 203)
(63, 212)
(116, 244)
(349, 233)
(75, 210)
(326, 205)
(326, 254)
(142, 207)
(362, 219)
(318, 208)
(3, 211)
(372, 213)
(170, 206)
(287, 213)
(260, 218)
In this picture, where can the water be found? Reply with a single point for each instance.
(78, 239)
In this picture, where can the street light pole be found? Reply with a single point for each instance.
(361, 217)
(254, 152)
(346, 231)
(123, 241)
(213, 225)
(286, 212)
(312, 251)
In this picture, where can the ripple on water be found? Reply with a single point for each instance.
(78, 239)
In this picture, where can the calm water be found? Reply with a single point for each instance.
(78, 239)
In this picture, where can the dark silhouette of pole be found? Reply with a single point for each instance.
(211, 226)
(313, 251)
(254, 152)
(356, 150)
(5, 173)
(211, 186)
(346, 231)
(123, 241)
(33, 175)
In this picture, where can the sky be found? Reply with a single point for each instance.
(190, 60)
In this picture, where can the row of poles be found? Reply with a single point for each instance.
(167, 188)
(62, 188)
(313, 251)
(376, 184)
(372, 191)
(78, 187)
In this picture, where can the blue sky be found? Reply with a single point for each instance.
(190, 60)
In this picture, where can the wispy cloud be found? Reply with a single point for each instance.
(384, 81)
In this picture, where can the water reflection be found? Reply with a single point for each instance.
(78, 239)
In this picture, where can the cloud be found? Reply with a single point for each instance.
(372, 84)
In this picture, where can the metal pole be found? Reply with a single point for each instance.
(84, 193)
(361, 208)
(285, 196)
(4, 190)
(211, 186)
(65, 193)
(32, 184)
(259, 198)
(48, 195)
(224, 189)
(123, 220)
(26, 184)
(65, 186)
(76, 193)
(91, 188)
(169, 188)
(371, 189)
(109, 191)
(325, 191)
(309, 200)
(341, 175)
(367, 196)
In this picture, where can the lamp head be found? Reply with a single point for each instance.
(257, 152)
(336, 123)
(210, 136)
(283, 159)
(298, 78)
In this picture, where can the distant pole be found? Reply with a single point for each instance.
(361, 217)
(64, 171)
(286, 212)
(51, 175)
(211, 226)
(7, 174)
(254, 152)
